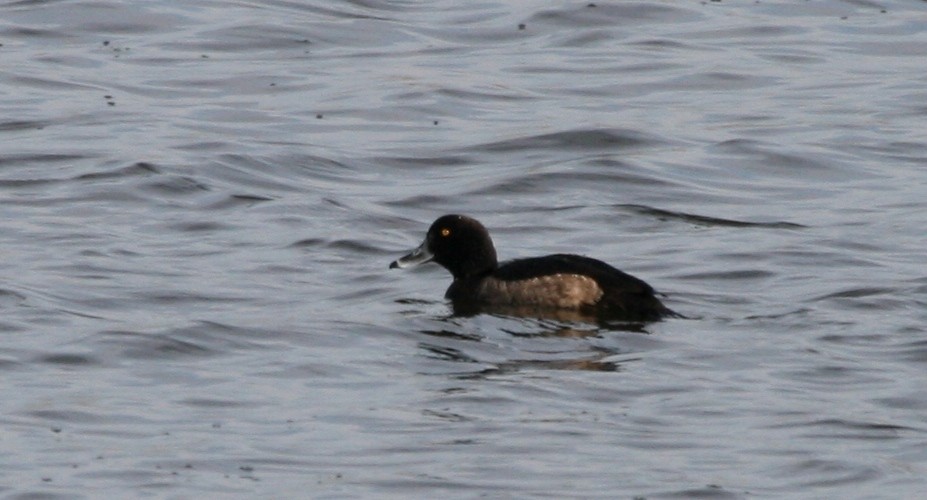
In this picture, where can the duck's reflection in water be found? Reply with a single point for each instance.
(489, 354)
(558, 322)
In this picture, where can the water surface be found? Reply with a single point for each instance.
(199, 202)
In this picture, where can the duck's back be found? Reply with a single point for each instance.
(563, 281)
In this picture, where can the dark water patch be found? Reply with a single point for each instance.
(238, 201)
(215, 403)
(78, 417)
(856, 246)
(704, 220)
(802, 162)
(588, 38)
(69, 359)
(15, 31)
(33, 3)
(10, 327)
(583, 140)
(836, 375)
(791, 55)
(731, 274)
(753, 33)
(175, 185)
(8, 363)
(584, 15)
(660, 44)
(530, 183)
(441, 486)
(19, 125)
(403, 162)
(243, 39)
(867, 298)
(853, 293)
(856, 339)
(137, 345)
(147, 481)
(765, 157)
(822, 473)
(608, 163)
(919, 285)
(831, 428)
(355, 9)
(419, 201)
(136, 169)
(911, 402)
(186, 298)
(367, 292)
(361, 246)
(20, 160)
(820, 258)
(106, 266)
(900, 150)
(552, 181)
(99, 19)
(10, 297)
(448, 416)
(203, 146)
(303, 371)
(203, 226)
(913, 351)
(309, 243)
(707, 491)
(467, 95)
(49, 84)
(334, 202)
(715, 81)
(204, 339)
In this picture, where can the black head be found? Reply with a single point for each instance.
(459, 243)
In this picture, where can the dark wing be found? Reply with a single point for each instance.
(623, 295)
(605, 275)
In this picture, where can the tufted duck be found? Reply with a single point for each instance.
(554, 282)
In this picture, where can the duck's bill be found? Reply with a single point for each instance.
(417, 256)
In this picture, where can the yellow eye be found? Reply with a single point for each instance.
(445, 232)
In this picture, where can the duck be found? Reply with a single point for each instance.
(558, 282)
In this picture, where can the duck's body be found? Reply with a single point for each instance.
(561, 281)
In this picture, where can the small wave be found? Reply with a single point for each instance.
(588, 139)
(706, 220)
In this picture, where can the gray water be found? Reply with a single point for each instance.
(199, 201)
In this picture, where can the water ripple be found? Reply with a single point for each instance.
(198, 202)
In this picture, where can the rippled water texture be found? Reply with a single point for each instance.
(199, 202)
